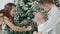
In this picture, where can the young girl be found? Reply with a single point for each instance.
(8, 26)
(53, 17)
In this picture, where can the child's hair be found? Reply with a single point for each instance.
(43, 16)
(46, 1)
(8, 8)
(40, 17)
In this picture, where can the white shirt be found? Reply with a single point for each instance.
(50, 24)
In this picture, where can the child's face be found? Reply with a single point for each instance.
(39, 18)
(13, 11)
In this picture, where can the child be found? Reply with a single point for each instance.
(39, 19)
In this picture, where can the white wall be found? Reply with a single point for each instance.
(3, 2)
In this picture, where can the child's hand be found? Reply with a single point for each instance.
(29, 28)
(37, 32)
(34, 32)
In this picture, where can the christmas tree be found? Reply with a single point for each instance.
(24, 15)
